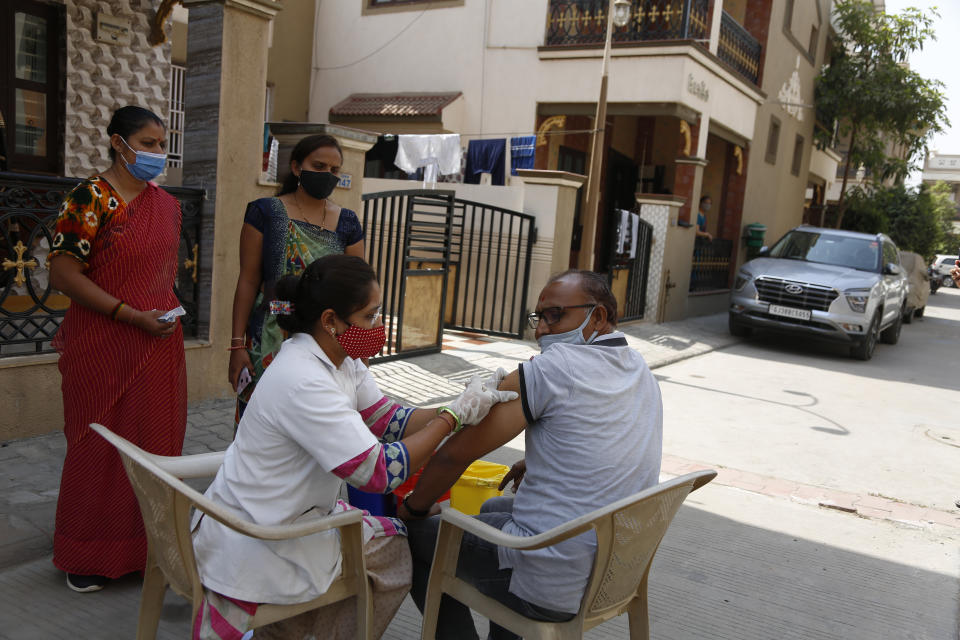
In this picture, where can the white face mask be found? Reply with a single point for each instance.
(705, 206)
(574, 336)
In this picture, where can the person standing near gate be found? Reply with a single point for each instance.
(114, 254)
(705, 204)
(280, 237)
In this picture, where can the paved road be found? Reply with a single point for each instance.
(733, 566)
(808, 413)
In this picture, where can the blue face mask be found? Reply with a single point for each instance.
(574, 336)
(147, 166)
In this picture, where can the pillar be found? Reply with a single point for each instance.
(716, 13)
(661, 213)
(550, 196)
(227, 47)
(689, 175)
(757, 24)
(734, 193)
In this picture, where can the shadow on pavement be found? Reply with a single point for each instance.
(718, 578)
(713, 577)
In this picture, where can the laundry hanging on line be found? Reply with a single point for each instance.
(627, 232)
(485, 156)
(438, 154)
(523, 151)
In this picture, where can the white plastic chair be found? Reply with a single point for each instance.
(165, 502)
(628, 534)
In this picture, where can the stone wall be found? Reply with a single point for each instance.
(101, 78)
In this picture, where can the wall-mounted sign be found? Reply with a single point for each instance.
(113, 30)
(791, 95)
(698, 89)
(346, 181)
(946, 162)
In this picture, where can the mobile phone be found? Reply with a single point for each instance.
(173, 314)
(243, 380)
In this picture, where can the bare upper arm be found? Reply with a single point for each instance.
(251, 253)
(511, 382)
(355, 249)
(62, 268)
(504, 423)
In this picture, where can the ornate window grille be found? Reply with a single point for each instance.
(175, 117)
(30, 309)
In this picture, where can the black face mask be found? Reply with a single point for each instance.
(318, 184)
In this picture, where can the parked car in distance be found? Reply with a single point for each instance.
(824, 283)
(941, 265)
(918, 285)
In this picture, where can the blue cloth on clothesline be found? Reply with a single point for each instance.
(485, 156)
(522, 153)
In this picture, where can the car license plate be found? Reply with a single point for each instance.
(789, 312)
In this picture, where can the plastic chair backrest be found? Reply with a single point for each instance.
(627, 540)
(166, 519)
(165, 503)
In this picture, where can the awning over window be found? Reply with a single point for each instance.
(422, 107)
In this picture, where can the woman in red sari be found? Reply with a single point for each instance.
(115, 255)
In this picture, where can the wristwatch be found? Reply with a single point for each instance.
(416, 513)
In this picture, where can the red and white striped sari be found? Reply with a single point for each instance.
(121, 377)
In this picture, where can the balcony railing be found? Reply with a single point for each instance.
(739, 49)
(30, 309)
(577, 23)
(584, 22)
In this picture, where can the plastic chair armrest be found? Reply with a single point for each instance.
(568, 529)
(498, 537)
(278, 532)
(703, 479)
(203, 465)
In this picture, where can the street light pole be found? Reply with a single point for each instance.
(618, 12)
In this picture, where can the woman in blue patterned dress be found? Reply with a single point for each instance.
(280, 237)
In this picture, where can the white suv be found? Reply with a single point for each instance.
(824, 283)
(941, 266)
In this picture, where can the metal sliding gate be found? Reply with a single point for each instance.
(408, 237)
(490, 269)
(445, 262)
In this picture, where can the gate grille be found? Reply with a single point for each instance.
(408, 233)
(490, 269)
(485, 252)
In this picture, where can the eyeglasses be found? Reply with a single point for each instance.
(552, 315)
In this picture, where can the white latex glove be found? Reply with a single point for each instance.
(493, 382)
(477, 399)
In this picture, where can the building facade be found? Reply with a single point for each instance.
(695, 88)
(944, 168)
(705, 98)
(66, 65)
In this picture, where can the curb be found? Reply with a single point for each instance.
(869, 506)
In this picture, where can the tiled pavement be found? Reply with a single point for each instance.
(30, 468)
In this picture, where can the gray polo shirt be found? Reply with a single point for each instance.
(594, 436)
